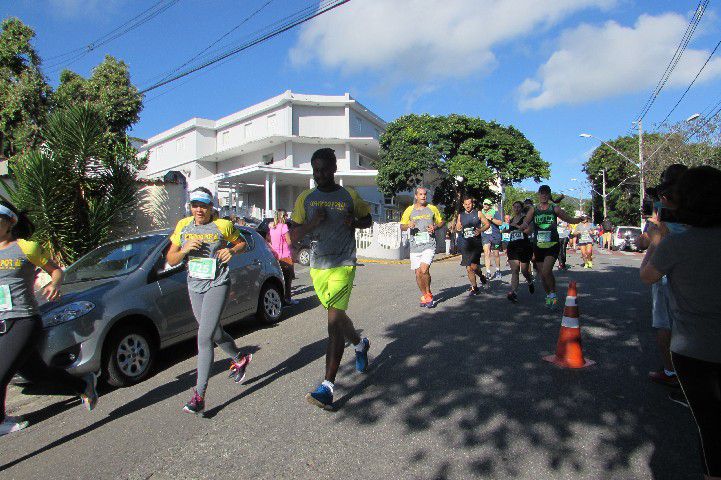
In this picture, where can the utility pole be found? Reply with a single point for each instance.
(641, 189)
(603, 172)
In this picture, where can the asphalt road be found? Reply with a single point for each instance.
(455, 392)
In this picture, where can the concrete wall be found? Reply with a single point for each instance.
(278, 151)
(329, 122)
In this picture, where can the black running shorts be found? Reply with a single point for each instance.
(541, 253)
(521, 250)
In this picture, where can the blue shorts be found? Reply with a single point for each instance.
(661, 313)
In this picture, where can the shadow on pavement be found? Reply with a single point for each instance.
(305, 355)
(476, 380)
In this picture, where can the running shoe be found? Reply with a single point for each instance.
(512, 297)
(430, 302)
(661, 377)
(677, 396)
(361, 358)
(90, 396)
(196, 404)
(290, 302)
(496, 275)
(238, 365)
(12, 425)
(483, 278)
(321, 397)
(531, 287)
(473, 291)
(424, 301)
(590, 264)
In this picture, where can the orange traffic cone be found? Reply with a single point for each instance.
(569, 353)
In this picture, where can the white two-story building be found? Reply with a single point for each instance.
(258, 159)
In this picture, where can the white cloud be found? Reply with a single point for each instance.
(596, 62)
(420, 41)
(85, 8)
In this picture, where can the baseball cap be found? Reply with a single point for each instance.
(487, 201)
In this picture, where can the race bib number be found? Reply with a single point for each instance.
(422, 237)
(585, 238)
(202, 268)
(516, 235)
(506, 237)
(6, 301)
(543, 237)
(469, 232)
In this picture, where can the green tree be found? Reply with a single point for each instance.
(690, 144)
(79, 188)
(24, 93)
(440, 150)
(109, 87)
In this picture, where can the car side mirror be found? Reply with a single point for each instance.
(163, 269)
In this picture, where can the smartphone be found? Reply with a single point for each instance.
(667, 215)
(647, 209)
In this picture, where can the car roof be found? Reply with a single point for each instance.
(162, 231)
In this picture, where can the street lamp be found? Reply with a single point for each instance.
(641, 162)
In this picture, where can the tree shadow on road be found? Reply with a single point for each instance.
(475, 380)
(305, 356)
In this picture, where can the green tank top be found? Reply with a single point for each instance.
(546, 226)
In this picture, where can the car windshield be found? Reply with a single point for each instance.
(112, 259)
(629, 231)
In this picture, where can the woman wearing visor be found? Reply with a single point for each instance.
(208, 244)
(20, 324)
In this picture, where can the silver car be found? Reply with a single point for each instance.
(121, 303)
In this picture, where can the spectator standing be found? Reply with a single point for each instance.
(279, 240)
(607, 232)
(696, 339)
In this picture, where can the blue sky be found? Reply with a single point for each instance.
(552, 69)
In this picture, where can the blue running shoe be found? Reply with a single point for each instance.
(322, 397)
(361, 358)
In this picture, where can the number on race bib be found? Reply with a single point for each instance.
(516, 235)
(543, 237)
(422, 237)
(202, 268)
(469, 232)
(6, 301)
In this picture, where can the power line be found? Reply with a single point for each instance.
(218, 40)
(283, 28)
(680, 49)
(268, 28)
(142, 18)
(692, 82)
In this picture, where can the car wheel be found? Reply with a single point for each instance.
(270, 304)
(304, 257)
(129, 355)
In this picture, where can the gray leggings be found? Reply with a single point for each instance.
(207, 308)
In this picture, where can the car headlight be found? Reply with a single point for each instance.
(68, 312)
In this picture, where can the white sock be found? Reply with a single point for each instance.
(360, 346)
(552, 295)
(328, 384)
(669, 373)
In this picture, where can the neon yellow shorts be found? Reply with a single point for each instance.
(333, 285)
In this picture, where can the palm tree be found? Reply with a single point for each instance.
(79, 186)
